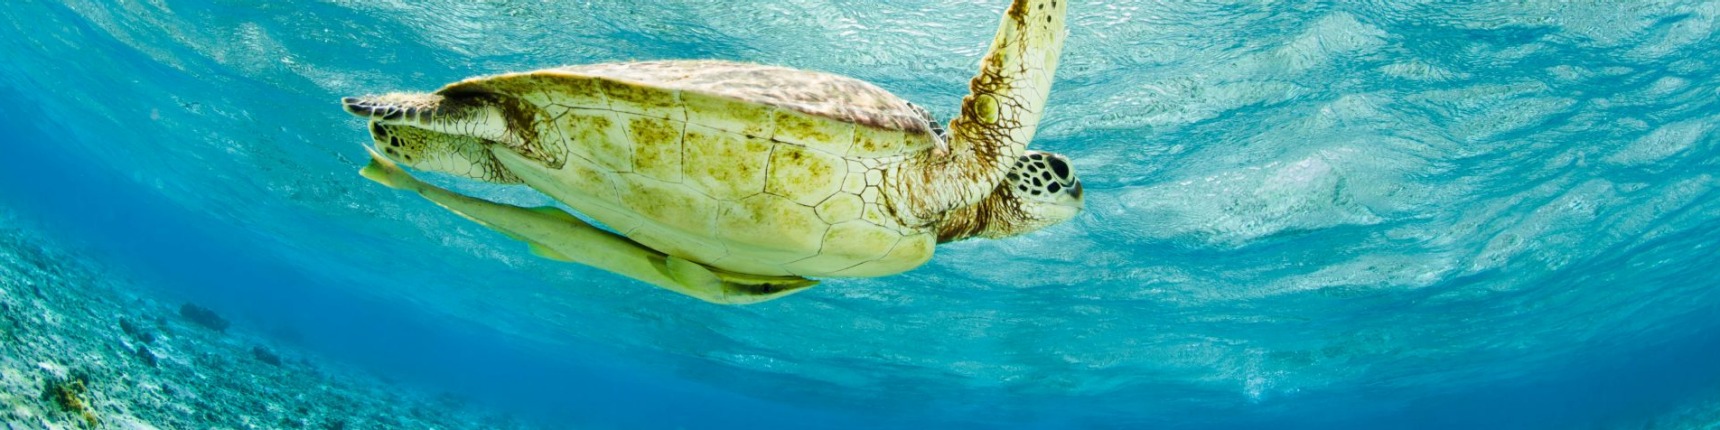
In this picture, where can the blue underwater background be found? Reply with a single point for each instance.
(1363, 214)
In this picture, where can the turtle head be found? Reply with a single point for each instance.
(1040, 190)
(1047, 188)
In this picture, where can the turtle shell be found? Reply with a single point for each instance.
(747, 168)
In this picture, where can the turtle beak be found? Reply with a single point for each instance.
(1074, 199)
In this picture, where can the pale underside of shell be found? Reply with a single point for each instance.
(753, 169)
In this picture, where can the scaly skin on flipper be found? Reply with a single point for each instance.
(998, 118)
(557, 235)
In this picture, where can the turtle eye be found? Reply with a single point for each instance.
(1060, 167)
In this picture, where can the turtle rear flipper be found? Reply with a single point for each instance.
(718, 286)
(385, 172)
(554, 234)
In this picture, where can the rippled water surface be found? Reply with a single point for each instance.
(1405, 213)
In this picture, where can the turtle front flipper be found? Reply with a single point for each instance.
(557, 235)
(998, 117)
(1008, 96)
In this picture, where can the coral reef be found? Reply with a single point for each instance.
(69, 394)
(66, 364)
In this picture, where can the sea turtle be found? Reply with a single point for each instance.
(734, 182)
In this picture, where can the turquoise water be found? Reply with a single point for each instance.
(1366, 215)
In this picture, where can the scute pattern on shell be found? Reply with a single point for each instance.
(812, 93)
(740, 167)
(753, 169)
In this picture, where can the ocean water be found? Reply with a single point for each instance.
(1398, 214)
